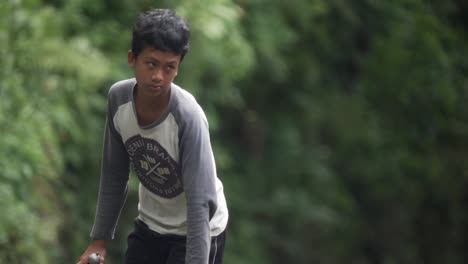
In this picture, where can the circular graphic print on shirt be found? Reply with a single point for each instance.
(155, 168)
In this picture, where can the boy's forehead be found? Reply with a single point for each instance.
(151, 52)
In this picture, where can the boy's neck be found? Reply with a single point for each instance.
(150, 109)
(152, 103)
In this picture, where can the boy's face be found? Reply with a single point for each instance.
(154, 70)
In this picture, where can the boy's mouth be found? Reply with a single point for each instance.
(156, 87)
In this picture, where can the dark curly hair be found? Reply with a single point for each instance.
(163, 30)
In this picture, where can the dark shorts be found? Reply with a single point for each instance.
(148, 247)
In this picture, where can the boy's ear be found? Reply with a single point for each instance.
(131, 59)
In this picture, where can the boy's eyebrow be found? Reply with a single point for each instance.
(156, 60)
(172, 62)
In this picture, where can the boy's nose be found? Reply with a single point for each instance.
(157, 75)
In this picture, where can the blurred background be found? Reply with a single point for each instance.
(340, 128)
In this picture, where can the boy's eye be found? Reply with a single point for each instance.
(170, 68)
(151, 64)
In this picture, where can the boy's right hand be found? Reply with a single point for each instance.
(98, 247)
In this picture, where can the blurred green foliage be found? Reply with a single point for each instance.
(340, 128)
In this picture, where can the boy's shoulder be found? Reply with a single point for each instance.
(185, 106)
(183, 97)
(123, 86)
(121, 92)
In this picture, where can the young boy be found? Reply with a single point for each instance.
(159, 130)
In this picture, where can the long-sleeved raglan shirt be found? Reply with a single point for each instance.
(179, 191)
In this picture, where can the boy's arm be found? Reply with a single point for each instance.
(198, 170)
(113, 185)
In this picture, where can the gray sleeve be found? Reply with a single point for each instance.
(198, 170)
(113, 185)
